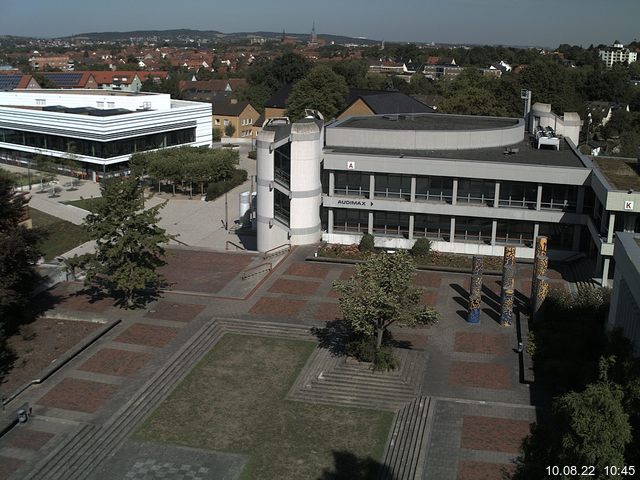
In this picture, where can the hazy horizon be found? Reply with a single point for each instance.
(506, 22)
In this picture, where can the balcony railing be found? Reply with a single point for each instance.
(282, 177)
(397, 194)
(440, 197)
(351, 192)
(480, 200)
(517, 203)
(391, 231)
(281, 214)
(351, 227)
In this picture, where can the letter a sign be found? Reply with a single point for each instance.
(628, 205)
(351, 165)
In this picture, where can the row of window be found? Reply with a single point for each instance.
(438, 227)
(440, 189)
(66, 145)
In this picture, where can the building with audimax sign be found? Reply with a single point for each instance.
(469, 184)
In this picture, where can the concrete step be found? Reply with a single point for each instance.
(363, 385)
(405, 454)
(350, 401)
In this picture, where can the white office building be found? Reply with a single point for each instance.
(101, 129)
(469, 184)
(617, 53)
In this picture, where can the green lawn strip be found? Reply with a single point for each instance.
(62, 236)
(233, 401)
(88, 204)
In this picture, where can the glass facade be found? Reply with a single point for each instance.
(514, 232)
(394, 224)
(434, 189)
(436, 227)
(282, 165)
(476, 230)
(351, 184)
(281, 207)
(518, 195)
(393, 186)
(559, 197)
(98, 149)
(481, 192)
(560, 236)
(345, 220)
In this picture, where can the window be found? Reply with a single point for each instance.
(518, 195)
(226, 122)
(476, 191)
(350, 220)
(393, 224)
(351, 184)
(437, 227)
(476, 230)
(393, 186)
(216, 121)
(434, 189)
(514, 232)
(281, 207)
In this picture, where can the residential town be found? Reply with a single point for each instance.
(304, 255)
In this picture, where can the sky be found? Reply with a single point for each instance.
(507, 22)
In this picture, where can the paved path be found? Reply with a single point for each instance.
(477, 412)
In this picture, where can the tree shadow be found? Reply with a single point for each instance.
(333, 337)
(347, 466)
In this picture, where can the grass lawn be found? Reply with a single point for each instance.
(62, 235)
(233, 401)
(85, 203)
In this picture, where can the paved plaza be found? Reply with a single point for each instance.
(478, 407)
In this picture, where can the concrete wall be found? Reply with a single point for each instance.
(306, 188)
(86, 98)
(625, 302)
(568, 125)
(425, 139)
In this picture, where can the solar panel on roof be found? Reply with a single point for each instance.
(9, 82)
(65, 79)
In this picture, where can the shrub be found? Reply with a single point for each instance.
(421, 248)
(363, 348)
(215, 189)
(427, 316)
(366, 243)
(253, 154)
(217, 134)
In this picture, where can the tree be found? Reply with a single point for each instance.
(321, 89)
(380, 294)
(229, 130)
(129, 244)
(472, 101)
(19, 252)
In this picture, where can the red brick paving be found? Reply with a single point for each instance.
(480, 375)
(277, 307)
(8, 465)
(410, 340)
(21, 437)
(207, 272)
(111, 361)
(149, 335)
(333, 293)
(490, 343)
(470, 470)
(493, 434)
(430, 298)
(178, 312)
(80, 395)
(428, 279)
(302, 269)
(299, 287)
(328, 312)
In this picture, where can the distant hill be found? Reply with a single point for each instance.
(208, 34)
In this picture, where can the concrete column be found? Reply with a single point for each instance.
(452, 232)
(605, 271)
(475, 293)
(413, 189)
(536, 232)
(370, 226)
(603, 220)
(539, 198)
(580, 200)
(454, 193)
(330, 220)
(494, 230)
(411, 225)
(496, 197)
(612, 223)
(332, 183)
(577, 231)
(372, 186)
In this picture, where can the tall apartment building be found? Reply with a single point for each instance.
(617, 53)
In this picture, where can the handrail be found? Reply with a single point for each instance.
(246, 273)
(180, 242)
(272, 252)
(229, 242)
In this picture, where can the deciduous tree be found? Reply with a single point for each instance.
(321, 89)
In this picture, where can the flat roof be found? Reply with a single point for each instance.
(621, 173)
(434, 121)
(527, 154)
(83, 91)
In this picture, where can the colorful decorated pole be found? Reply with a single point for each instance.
(541, 294)
(475, 294)
(508, 285)
(540, 265)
